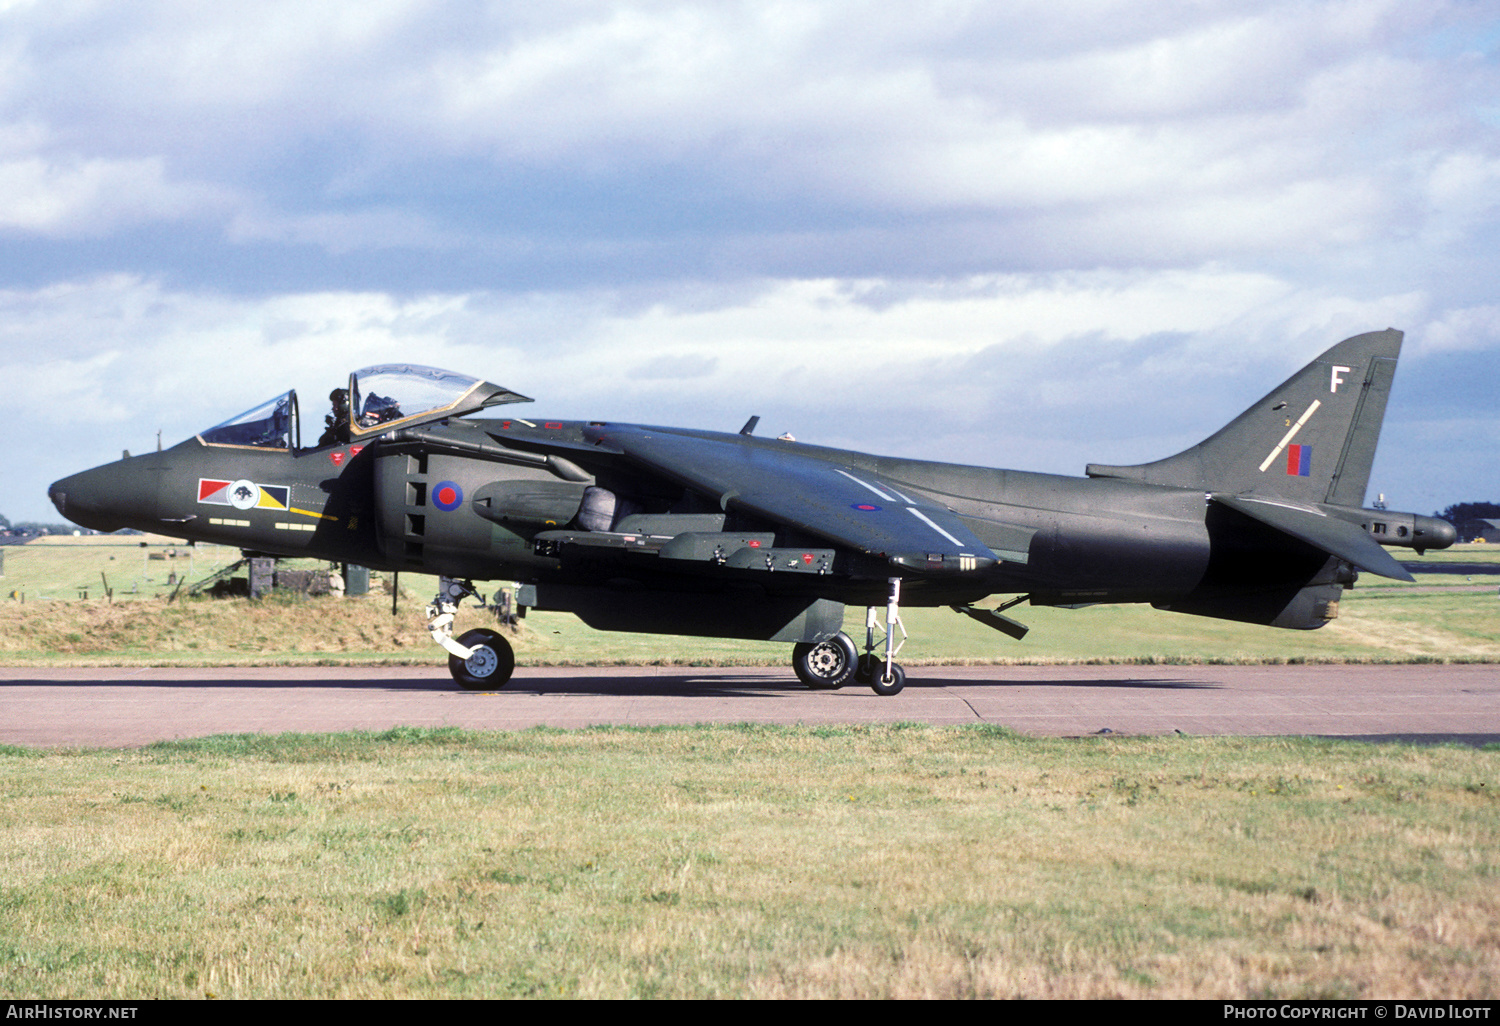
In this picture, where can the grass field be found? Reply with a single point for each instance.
(1443, 617)
(900, 861)
(890, 861)
(64, 568)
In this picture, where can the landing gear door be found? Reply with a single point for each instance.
(396, 395)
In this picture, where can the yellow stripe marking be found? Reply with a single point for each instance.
(313, 513)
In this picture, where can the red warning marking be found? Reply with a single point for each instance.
(754, 544)
(338, 457)
(807, 558)
(552, 425)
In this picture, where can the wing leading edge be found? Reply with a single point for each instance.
(843, 504)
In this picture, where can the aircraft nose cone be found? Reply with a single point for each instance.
(108, 498)
(78, 498)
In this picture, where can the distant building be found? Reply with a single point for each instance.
(1480, 530)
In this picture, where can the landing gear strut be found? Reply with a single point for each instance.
(880, 671)
(481, 659)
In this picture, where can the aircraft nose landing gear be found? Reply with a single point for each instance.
(489, 665)
(481, 659)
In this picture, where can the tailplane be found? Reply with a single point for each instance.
(1312, 438)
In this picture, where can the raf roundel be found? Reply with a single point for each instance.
(447, 496)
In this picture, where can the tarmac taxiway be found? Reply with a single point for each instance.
(126, 707)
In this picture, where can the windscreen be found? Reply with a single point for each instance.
(271, 425)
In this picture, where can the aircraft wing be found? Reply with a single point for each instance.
(1334, 536)
(847, 506)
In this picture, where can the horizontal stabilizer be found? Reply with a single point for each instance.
(1336, 537)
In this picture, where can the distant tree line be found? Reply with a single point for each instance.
(1461, 512)
(30, 527)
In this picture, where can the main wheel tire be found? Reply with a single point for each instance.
(489, 667)
(886, 686)
(825, 665)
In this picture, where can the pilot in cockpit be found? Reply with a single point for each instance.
(336, 424)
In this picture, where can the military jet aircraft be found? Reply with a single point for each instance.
(674, 531)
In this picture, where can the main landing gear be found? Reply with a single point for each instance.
(830, 664)
(481, 659)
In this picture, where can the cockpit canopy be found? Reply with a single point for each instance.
(394, 394)
(378, 399)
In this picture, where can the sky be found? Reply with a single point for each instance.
(1025, 234)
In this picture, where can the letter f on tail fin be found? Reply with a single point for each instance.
(1311, 439)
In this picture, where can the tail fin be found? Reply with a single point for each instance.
(1312, 438)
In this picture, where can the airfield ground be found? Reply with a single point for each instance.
(1444, 617)
(828, 860)
(750, 861)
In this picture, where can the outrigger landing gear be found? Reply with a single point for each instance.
(881, 672)
(481, 659)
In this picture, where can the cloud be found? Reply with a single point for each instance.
(1205, 131)
(1105, 365)
(682, 367)
(1022, 233)
(77, 198)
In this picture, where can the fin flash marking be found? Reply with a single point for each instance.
(1286, 438)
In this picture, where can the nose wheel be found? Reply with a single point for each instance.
(489, 665)
(479, 660)
(879, 668)
(872, 671)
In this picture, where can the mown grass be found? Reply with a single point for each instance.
(749, 861)
(131, 567)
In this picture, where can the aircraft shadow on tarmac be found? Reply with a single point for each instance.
(710, 683)
(747, 686)
(1467, 569)
(1092, 682)
(685, 685)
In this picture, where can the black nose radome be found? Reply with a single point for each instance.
(110, 497)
